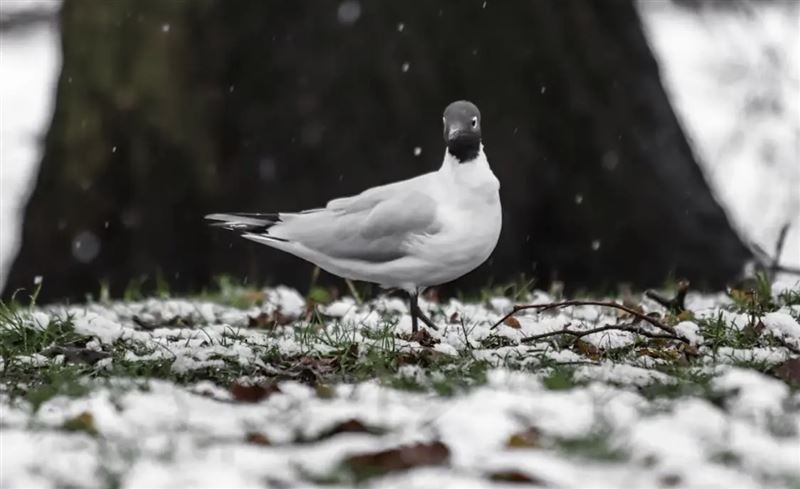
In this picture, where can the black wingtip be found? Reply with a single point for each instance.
(244, 222)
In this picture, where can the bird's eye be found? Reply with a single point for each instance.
(474, 122)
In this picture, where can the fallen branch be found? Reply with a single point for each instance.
(581, 334)
(558, 305)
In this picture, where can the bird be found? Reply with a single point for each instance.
(409, 235)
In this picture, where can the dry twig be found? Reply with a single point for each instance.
(670, 333)
(619, 327)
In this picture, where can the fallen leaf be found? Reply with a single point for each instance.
(349, 426)
(663, 354)
(512, 322)
(82, 422)
(261, 321)
(269, 321)
(789, 371)
(588, 350)
(325, 391)
(401, 458)
(258, 439)
(254, 296)
(688, 350)
(77, 355)
(253, 393)
(524, 439)
(423, 337)
(670, 480)
(454, 318)
(751, 332)
(515, 476)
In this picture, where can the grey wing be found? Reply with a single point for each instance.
(369, 227)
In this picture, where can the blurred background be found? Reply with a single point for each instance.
(635, 142)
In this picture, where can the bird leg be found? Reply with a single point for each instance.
(416, 313)
(412, 306)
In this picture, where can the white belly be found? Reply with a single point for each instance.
(470, 237)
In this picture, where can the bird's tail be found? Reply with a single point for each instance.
(245, 222)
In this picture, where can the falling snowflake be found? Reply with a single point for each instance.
(348, 12)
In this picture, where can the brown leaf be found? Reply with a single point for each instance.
(688, 350)
(663, 354)
(752, 332)
(423, 337)
(631, 303)
(524, 439)
(515, 476)
(262, 321)
(351, 352)
(253, 393)
(512, 322)
(454, 318)
(789, 371)
(670, 480)
(400, 458)
(309, 376)
(77, 355)
(588, 350)
(82, 422)
(325, 391)
(254, 296)
(258, 439)
(349, 426)
(269, 321)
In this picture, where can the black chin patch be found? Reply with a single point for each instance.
(464, 147)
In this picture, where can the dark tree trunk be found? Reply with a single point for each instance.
(169, 110)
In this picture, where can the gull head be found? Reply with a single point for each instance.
(462, 130)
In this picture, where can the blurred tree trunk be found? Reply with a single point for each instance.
(169, 110)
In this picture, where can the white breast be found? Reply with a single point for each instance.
(471, 218)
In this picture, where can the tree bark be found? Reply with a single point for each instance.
(167, 111)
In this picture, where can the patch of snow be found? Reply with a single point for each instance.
(690, 331)
(160, 433)
(782, 325)
(753, 394)
(94, 325)
(622, 374)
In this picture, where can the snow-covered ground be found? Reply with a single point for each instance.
(166, 397)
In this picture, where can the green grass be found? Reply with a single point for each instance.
(596, 445)
(332, 354)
